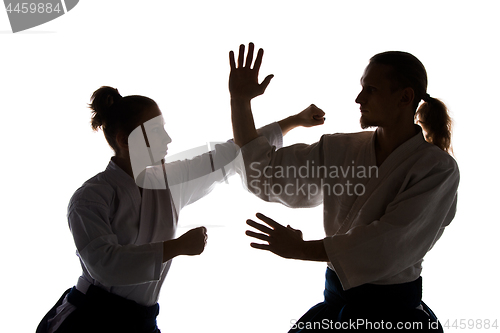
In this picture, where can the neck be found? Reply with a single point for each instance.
(124, 163)
(388, 139)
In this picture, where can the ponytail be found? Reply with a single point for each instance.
(433, 116)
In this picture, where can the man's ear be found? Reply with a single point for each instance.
(407, 97)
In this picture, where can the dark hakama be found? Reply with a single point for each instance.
(100, 311)
(369, 307)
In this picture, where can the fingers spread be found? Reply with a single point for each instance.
(266, 82)
(259, 227)
(258, 236)
(249, 55)
(268, 220)
(241, 56)
(296, 231)
(260, 246)
(231, 60)
(258, 60)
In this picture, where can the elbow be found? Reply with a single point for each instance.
(104, 273)
(106, 267)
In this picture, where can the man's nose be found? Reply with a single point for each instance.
(359, 98)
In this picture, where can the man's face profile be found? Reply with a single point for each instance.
(377, 101)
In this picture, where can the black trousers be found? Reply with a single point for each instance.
(369, 308)
(101, 311)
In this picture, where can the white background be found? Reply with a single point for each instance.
(177, 53)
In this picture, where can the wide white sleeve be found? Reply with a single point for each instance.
(273, 134)
(408, 229)
(104, 258)
(191, 179)
(285, 175)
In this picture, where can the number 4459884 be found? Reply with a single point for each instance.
(462, 324)
(25, 7)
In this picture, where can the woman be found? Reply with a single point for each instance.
(125, 234)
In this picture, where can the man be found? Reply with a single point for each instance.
(387, 194)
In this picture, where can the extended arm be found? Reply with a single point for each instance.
(310, 116)
(243, 86)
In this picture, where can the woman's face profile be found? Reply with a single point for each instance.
(148, 142)
(155, 135)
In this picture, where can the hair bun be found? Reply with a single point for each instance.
(101, 103)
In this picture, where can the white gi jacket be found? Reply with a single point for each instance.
(119, 235)
(379, 223)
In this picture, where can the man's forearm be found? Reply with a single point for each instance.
(288, 124)
(314, 251)
(243, 124)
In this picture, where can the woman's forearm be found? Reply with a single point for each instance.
(171, 249)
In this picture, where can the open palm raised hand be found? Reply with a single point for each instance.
(244, 80)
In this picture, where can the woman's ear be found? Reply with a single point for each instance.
(122, 141)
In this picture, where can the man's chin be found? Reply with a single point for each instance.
(365, 125)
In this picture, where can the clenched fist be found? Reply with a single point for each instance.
(193, 242)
